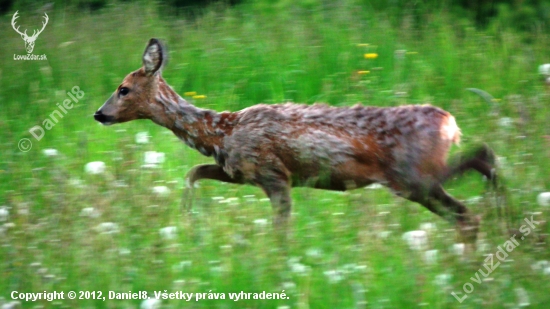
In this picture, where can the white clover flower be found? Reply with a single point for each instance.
(417, 240)
(383, 234)
(50, 152)
(540, 265)
(142, 138)
(443, 279)
(169, 232)
(76, 182)
(107, 228)
(154, 157)
(288, 285)
(428, 227)
(124, 251)
(89, 212)
(161, 191)
(505, 122)
(544, 199)
(523, 297)
(151, 303)
(297, 267)
(95, 168)
(458, 249)
(430, 256)
(4, 214)
(11, 305)
(315, 253)
(544, 69)
(334, 276)
(261, 222)
(374, 186)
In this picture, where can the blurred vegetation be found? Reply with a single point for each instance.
(346, 249)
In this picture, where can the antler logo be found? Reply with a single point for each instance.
(29, 40)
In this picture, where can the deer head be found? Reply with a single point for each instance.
(135, 97)
(29, 40)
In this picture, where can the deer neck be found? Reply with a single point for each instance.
(201, 129)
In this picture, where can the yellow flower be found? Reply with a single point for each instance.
(363, 72)
(371, 56)
(199, 96)
(190, 93)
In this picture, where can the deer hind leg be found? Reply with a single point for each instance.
(482, 159)
(203, 171)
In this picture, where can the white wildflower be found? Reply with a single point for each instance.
(417, 240)
(142, 138)
(458, 249)
(4, 214)
(89, 212)
(544, 199)
(261, 222)
(374, 186)
(76, 182)
(383, 234)
(161, 191)
(107, 228)
(151, 303)
(169, 232)
(505, 122)
(430, 256)
(95, 168)
(315, 253)
(443, 279)
(153, 157)
(334, 276)
(428, 227)
(523, 297)
(540, 265)
(50, 152)
(297, 267)
(11, 305)
(288, 285)
(544, 69)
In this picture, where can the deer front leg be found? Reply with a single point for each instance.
(203, 171)
(278, 191)
(467, 223)
(438, 201)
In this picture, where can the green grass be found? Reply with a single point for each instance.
(238, 57)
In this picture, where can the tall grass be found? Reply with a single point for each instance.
(346, 249)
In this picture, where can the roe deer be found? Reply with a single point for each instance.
(276, 147)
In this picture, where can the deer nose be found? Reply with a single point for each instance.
(99, 116)
(104, 119)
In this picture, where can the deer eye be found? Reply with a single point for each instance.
(123, 91)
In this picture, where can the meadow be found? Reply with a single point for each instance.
(120, 227)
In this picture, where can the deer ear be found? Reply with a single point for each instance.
(153, 57)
